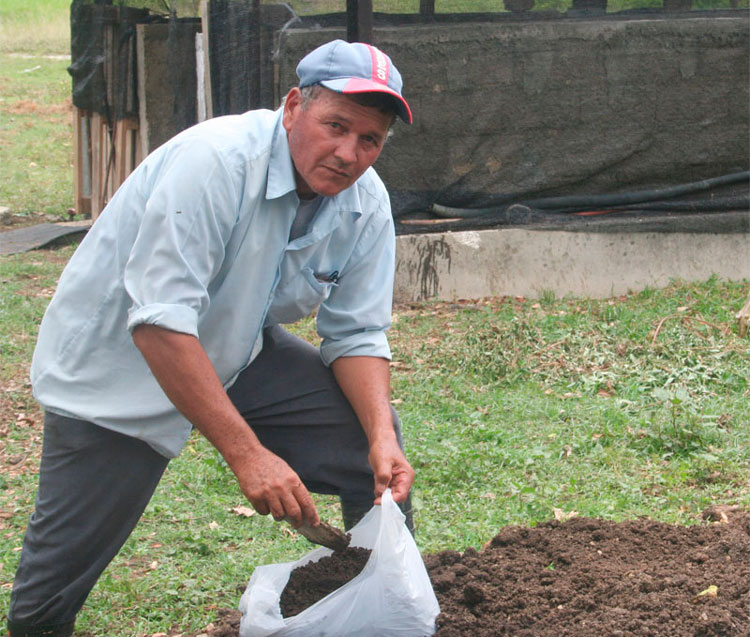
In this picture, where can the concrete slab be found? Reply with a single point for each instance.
(519, 262)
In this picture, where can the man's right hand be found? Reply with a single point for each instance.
(271, 486)
(185, 373)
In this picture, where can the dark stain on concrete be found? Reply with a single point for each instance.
(430, 253)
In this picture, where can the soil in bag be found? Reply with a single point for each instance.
(312, 582)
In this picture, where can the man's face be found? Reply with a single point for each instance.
(332, 141)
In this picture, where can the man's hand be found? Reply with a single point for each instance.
(391, 469)
(273, 487)
(185, 373)
(365, 381)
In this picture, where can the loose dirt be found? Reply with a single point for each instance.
(315, 580)
(590, 577)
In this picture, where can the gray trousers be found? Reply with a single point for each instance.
(94, 484)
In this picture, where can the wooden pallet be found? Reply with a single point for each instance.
(104, 155)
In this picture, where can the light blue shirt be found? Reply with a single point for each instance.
(197, 241)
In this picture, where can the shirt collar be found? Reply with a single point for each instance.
(281, 179)
(280, 167)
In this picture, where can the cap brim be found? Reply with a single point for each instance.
(350, 85)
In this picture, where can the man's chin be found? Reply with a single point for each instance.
(331, 189)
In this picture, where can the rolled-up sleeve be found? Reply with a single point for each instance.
(180, 245)
(354, 319)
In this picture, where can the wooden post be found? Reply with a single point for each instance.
(256, 56)
(206, 61)
(427, 7)
(97, 176)
(82, 161)
(359, 21)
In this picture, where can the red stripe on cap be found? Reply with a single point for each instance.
(379, 65)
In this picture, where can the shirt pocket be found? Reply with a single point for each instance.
(299, 297)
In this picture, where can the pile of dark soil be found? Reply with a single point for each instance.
(589, 577)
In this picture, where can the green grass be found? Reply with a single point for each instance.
(616, 408)
(36, 138)
(35, 26)
(511, 408)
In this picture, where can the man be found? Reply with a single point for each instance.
(167, 318)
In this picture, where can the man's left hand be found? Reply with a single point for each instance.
(365, 381)
(391, 468)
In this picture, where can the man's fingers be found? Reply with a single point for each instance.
(260, 507)
(400, 487)
(299, 507)
(308, 511)
(277, 509)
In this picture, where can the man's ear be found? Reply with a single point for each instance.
(292, 105)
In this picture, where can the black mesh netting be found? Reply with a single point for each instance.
(717, 205)
(243, 44)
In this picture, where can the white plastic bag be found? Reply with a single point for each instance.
(392, 596)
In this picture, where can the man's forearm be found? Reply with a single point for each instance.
(365, 381)
(187, 376)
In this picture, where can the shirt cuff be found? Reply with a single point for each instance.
(369, 343)
(177, 318)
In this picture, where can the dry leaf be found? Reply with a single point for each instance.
(213, 525)
(561, 516)
(243, 510)
(719, 512)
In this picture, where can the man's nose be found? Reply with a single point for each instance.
(346, 149)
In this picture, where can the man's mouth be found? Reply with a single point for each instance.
(337, 171)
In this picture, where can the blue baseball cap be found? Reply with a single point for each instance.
(353, 67)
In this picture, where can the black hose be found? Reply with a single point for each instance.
(583, 202)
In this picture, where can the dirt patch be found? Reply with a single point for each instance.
(312, 582)
(10, 221)
(30, 107)
(589, 577)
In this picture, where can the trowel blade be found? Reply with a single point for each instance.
(325, 535)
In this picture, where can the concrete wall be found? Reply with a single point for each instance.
(515, 262)
(524, 109)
